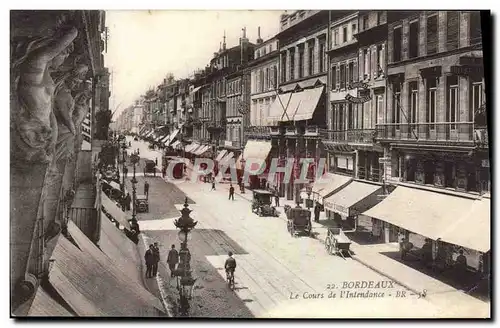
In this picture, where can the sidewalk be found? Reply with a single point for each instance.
(370, 256)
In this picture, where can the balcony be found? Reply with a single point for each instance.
(311, 131)
(257, 132)
(275, 130)
(433, 132)
(353, 136)
(291, 131)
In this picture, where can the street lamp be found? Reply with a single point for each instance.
(124, 146)
(134, 158)
(185, 281)
(242, 184)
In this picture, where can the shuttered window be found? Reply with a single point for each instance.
(452, 30)
(432, 34)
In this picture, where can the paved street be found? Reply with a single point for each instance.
(277, 275)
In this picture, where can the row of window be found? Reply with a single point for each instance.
(348, 116)
(452, 28)
(265, 50)
(288, 71)
(265, 79)
(260, 111)
(233, 133)
(411, 113)
(344, 33)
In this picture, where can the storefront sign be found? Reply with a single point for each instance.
(384, 160)
(467, 70)
(472, 61)
(337, 208)
(363, 93)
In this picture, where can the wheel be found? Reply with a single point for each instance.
(288, 226)
(335, 248)
(327, 244)
(291, 230)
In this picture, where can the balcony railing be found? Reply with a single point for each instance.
(445, 132)
(257, 130)
(311, 131)
(358, 136)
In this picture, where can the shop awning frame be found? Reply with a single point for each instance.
(425, 212)
(114, 211)
(257, 151)
(354, 198)
(221, 155)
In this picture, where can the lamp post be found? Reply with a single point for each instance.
(242, 184)
(124, 146)
(134, 225)
(185, 281)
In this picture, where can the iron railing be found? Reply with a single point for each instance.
(361, 136)
(450, 132)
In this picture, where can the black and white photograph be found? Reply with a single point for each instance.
(250, 164)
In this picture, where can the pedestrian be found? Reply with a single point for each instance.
(277, 199)
(213, 185)
(163, 172)
(130, 144)
(156, 161)
(172, 260)
(125, 171)
(128, 201)
(156, 258)
(231, 192)
(146, 188)
(317, 211)
(149, 258)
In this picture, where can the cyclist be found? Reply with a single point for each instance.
(230, 265)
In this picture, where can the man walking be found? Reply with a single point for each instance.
(231, 192)
(156, 161)
(128, 201)
(163, 172)
(125, 171)
(149, 258)
(213, 185)
(156, 258)
(277, 199)
(146, 189)
(317, 211)
(172, 260)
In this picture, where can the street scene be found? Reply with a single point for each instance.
(296, 164)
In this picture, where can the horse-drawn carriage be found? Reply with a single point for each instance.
(262, 203)
(141, 203)
(298, 220)
(149, 167)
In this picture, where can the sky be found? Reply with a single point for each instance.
(143, 46)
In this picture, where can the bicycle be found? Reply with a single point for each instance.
(230, 279)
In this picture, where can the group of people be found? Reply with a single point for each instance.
(152, 258)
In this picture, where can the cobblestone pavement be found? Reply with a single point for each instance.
(277, 275)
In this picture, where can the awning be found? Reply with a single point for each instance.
(195, 90)
(113, 184)
(256, 152)
(225, 159)
(353, 199)
(119, 248)
(276, 109)
(202, 149)
(148, 134)
(221, 154)
(309, 100)
(188, 147)
(473, 229)
(93, 285)
(175, 144)
(45, 306)
(328, 184)
(172, 136)
(194, 148)
(114, 211)
(424, 212)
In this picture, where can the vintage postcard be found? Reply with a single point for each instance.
(258, 164)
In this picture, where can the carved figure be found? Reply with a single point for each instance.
(34, 126)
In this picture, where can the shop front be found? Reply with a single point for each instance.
(347, 203)
(437, 224)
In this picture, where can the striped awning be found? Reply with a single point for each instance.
(112, 208)
(202, 150)
(221, 154)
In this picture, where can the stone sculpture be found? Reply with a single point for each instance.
(34, 126)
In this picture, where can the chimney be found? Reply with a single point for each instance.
(259, 39)
(243, 46)
(224, 43)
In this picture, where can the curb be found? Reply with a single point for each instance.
(399, 282)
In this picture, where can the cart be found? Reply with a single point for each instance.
(262, 203)
(149, 167)
(337, 243)
(298, 221)
(141, 203)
